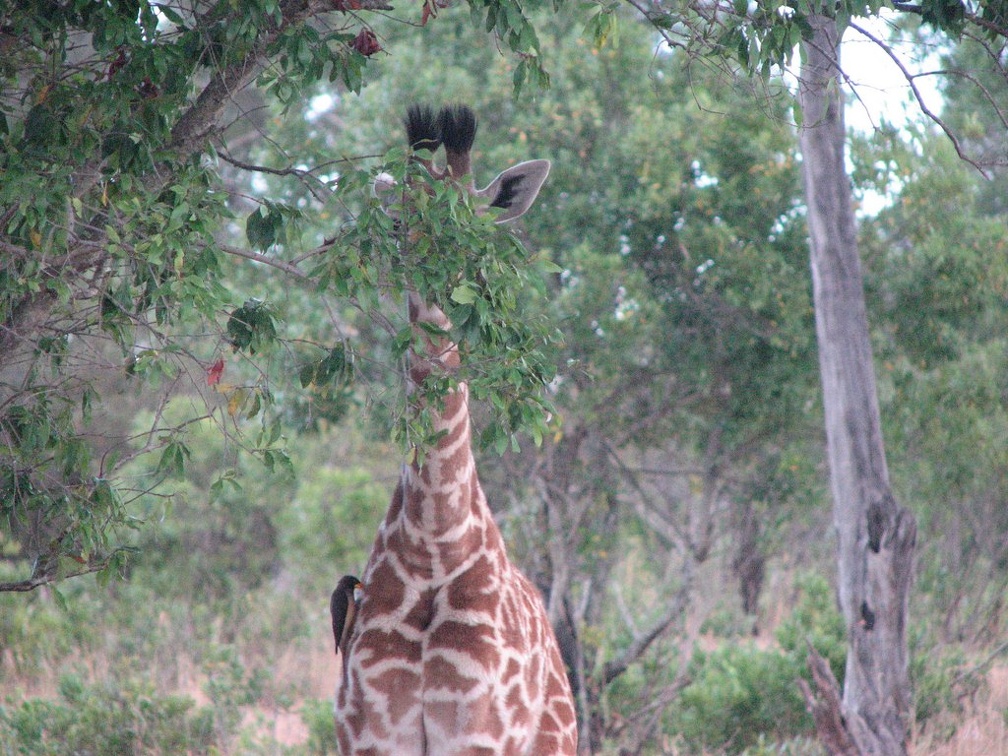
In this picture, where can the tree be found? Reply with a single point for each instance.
(114, 119)
(876, 536)
(934, 266)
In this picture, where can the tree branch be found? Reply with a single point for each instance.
(617, 666)
(910, 79)
(248, 254)
(44, 576)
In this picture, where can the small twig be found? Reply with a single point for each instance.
(298, 172)
(248, 254)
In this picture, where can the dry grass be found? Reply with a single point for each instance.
(982, 732)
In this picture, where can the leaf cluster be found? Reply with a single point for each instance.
(429, 239)
(110, 211)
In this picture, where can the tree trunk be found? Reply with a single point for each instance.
(875, 535)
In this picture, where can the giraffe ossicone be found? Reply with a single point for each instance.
(447, 648)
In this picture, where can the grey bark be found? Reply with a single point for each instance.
(875, 535)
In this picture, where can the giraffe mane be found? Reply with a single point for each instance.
(423, 127)
(458, 128)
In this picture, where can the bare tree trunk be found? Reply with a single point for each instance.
(876, 536)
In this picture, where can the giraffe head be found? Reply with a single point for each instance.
(511, 193)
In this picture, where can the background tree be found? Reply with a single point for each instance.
(876, 536)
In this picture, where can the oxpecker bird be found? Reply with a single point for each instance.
(343, 608)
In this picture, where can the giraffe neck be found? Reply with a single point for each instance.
(441, 500)
(450, 650)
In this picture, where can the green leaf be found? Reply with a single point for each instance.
(262, 228)
(463, 294)
(307, 374)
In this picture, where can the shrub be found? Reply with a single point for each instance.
(105, 719)
(942, 681)
(230, 686)
(816, 620)
(737, 695)
(318, 716)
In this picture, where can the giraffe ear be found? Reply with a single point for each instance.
(515, 189)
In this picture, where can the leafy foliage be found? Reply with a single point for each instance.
(736, 694)
(117, 156)
(106, 718)
(816, 622)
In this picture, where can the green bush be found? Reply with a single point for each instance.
(208, 524)
(318, 717)
(739, 693)
(328, 526)
(816, 620)
(106, 719)
(230, 686)
(742, 698)
(39, 629)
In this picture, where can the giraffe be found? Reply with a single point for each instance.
(451, 651)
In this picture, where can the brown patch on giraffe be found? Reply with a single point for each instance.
(549, 742)
(402, 691)
(414, 556)
(368, 716)
(512, 670)
(422, 613)
(395, 506)
(556, 687)
(384, 645)
(494, 723)
(548, 723)
(385, 589)
(473, 590)
(441, 674)
(516, 704)
(479, 717)
(476, 641)
(479, 505)
(444, 713)
(454, 554)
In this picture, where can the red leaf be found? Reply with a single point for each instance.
(214, 372)
(430, 9)
(366, 43)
